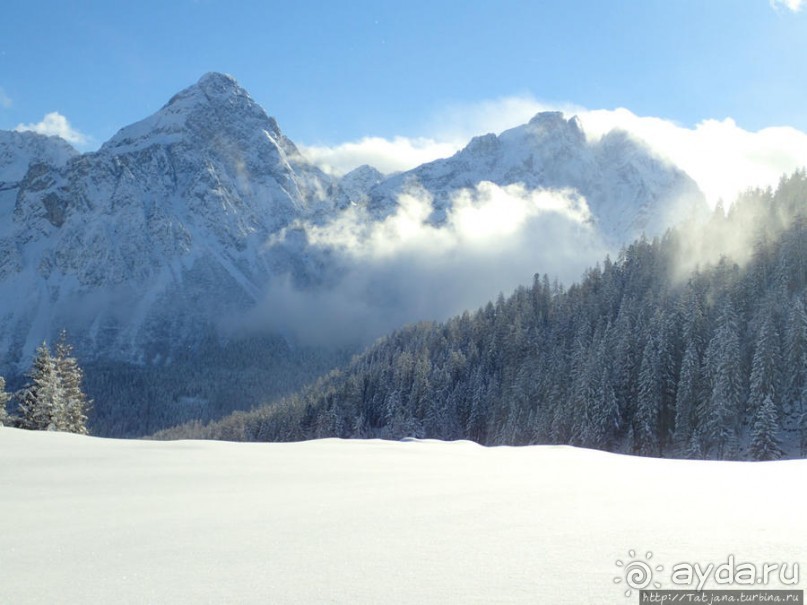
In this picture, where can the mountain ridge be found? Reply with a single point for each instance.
(624, 183)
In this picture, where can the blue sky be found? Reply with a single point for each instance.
(337, 71)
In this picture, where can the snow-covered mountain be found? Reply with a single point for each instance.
(136, 245)
(355, 186)
(146, 248)
(19, 150)
(628, 189)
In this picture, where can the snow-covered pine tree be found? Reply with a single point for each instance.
(4, 397)
(724, 369)
(607, 418)
(646, 421)
(601, 420)
(765, 367)
(796, 358)
(695, 449)
(765, 443)
(668, 342)
(42, 405)
(687, 397)
(70, 376)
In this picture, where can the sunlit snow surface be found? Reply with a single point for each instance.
(87, 520)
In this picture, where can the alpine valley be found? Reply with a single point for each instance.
(153, 250)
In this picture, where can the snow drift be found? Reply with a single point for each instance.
(88, 520)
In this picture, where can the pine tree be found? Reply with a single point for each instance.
(4, 397)
(723, 361)
(796, 358)
(646, 421)
(765, 367)
(695, 449)
(53, 399)
(765, 443)
(687, 396)
(70, 375)
(666, 327)
(42, 403)
(605, 421)
(601, 420)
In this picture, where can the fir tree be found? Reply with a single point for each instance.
(606, 419)
(42, 405)
(687, 396)
(765, 367)
(76, 404)
(765, 443)
(53, 399)
(695, 449)
(723, 361)
(646, 421)
(601, 412)
(796, 358)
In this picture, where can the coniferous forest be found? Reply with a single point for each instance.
(692, 345)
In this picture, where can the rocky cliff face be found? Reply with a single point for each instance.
(160, 230)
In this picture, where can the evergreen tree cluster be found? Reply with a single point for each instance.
(637, 357)
(53, 399)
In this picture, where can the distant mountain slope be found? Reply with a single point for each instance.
(628, 189)
(642, 356)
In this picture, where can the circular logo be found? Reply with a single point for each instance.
(638, 573)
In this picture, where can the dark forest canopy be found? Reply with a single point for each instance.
(693, 344)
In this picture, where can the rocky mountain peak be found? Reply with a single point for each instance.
(554, 124)
(216, 84)
(214, 109)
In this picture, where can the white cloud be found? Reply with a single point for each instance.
(55, 124)
(794, 5)
(400, 153)
(407, 268)
(482, 217)
(459, 122)
(5, 100)
(722, 157)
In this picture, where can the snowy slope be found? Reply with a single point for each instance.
(355, 186)
(19, 150)
(87, 520)
(628, 189)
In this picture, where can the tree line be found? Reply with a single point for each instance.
(52, 399)
(638, 357)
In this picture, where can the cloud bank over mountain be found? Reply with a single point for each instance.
(406, 268)
(723, 158)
